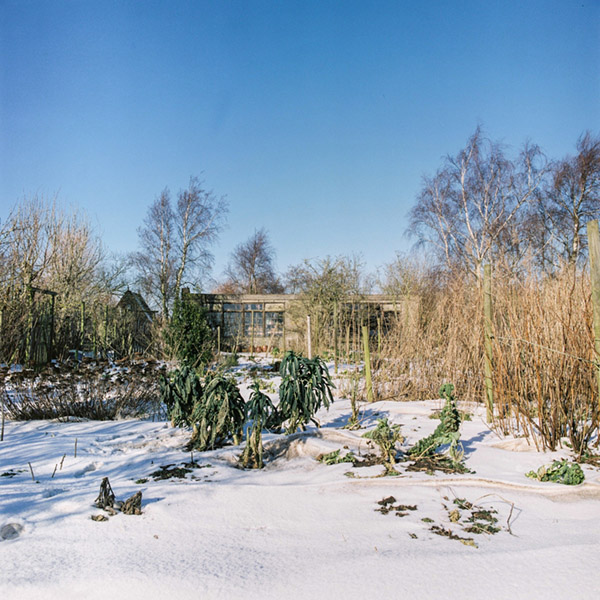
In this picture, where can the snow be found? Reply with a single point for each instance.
(296, 529)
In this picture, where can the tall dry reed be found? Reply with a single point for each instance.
(544, 369)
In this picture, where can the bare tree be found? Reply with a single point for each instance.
(469, 210)
(200, 216)
(322, 285)
(45, 251)
(573, 198)
(155, 262)
(251, 269)
(174, 242)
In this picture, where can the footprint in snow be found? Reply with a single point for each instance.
(87, 469)
(10, 531)
(50, 493)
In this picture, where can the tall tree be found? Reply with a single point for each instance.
(469, 211)
(251, 269)
(573, 197)
(175, 242)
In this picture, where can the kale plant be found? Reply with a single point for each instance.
(305, 388)
(560, 471)
(180, 391)
(219, 415)
(447, 432)
(386, 436)
(260, 410)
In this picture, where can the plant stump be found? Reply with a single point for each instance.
(133, 505)
(106, 497)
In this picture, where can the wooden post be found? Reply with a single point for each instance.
(335, 337)
(3, 409)
(82, 328)
(218, 340)
(348, 343)
(106, 332)
(251, 332)
(368, 381)
(308, 337)
(51, 341)
(594, 251)
(487, 318)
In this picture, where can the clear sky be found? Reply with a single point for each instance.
(316, 119)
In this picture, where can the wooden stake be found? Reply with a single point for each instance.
(75, 455)
(594, 250)
(487, 318)
(31, 469)
(308, 337)
(3, 412)
(335, 337)
(368, 381)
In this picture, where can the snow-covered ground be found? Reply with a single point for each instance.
(298, 528)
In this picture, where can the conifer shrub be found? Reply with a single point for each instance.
(188, 335)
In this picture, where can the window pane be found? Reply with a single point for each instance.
(229, 306)
(274, 323)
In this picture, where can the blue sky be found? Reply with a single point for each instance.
(316, 119)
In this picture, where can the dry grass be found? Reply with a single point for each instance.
(544, 373)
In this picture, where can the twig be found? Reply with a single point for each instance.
(62, 460)
(508, 339)
(3, 410)
(54, 472)
(31, 469)
(512, 506)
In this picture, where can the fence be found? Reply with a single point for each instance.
(43, 328)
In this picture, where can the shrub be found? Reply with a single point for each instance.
(188, 336)
(93, 390)
(305, 388)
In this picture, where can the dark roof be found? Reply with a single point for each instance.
(134, 301)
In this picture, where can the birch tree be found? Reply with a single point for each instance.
(252, 266)
(175, 241)
(469, 211)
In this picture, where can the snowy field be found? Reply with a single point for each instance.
(298, 528)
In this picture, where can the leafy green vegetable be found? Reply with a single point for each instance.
(305, 388)
(260, 410)
(447, 432)
(219, 415)
(334, 458)
(560, 471)
(180, 391)
(386, 437)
